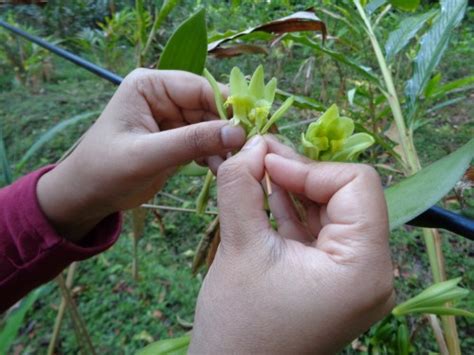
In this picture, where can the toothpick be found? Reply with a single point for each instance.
(268, 183)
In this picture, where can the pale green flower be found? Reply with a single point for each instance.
(330, 138)
(252, 101)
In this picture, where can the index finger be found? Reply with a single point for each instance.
(352, 192)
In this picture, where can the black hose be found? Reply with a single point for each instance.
(434, 217)
(99, 71)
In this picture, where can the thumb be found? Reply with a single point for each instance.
(178, 146)
(240, 195)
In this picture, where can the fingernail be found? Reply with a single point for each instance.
(253, 142)
(232, 136)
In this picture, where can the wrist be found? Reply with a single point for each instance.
(69, 211)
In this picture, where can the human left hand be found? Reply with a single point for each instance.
(155, 122)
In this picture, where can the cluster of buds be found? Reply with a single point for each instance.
(331, 138)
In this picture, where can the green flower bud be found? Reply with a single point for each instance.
(433, 300)
(330, 138)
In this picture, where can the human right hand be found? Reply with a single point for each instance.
(310, 286)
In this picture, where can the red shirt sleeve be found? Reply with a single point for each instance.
(31, 252)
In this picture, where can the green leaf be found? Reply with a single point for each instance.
(372, 6)
(166, 8)
(417, 193)
(7, 174)
(174, 346)
(15, 320)
(51, 133)
(407, 29)
(441, 90)
(433, 45)
(301, 101)
(405, 5)
(187, 47)
(278, 114)
(340, 57)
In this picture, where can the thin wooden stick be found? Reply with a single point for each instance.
(438, 333)
(268, 183)
(176, 209)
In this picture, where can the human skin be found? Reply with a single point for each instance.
(307, 287)
(155, 122)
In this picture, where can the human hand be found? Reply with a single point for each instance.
(153, 124)
(309, 287)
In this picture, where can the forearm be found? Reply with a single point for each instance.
(32, 252)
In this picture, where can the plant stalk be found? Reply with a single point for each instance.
(62, 307)
(85, 340)
(412, 165)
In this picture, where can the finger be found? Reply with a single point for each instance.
(170, 94)
(276, 147)
(181, 145)
(214, 162)
(352, 192)
(240, 196)
(286, 217)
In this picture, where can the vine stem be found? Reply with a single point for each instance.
(412, 165)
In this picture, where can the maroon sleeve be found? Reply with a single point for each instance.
(31, 252)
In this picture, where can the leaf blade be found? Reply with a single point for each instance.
(417, 193)
(187, 47)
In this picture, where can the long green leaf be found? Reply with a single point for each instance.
(447, 88)
(442, 311)
(7, 174)
(174, 346)
(418, 192)
(433, 45)
(407, 29)
(15, 320)
(51, 133)
(187, 47)
(340, 57)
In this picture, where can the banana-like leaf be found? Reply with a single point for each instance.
(15, 320)
(174, 346)
(297, 22)
(51, 133)
(433, 46)
(417, 193)
(5, 164)
(407, 29)
(340, 57)
(187, 47)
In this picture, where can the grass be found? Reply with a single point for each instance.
(123, 315)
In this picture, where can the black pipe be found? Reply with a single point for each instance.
(437, 217)
(434, 217)
(103, 73)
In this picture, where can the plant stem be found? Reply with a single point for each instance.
(85, 339)
(412, 165)
(62, 307)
